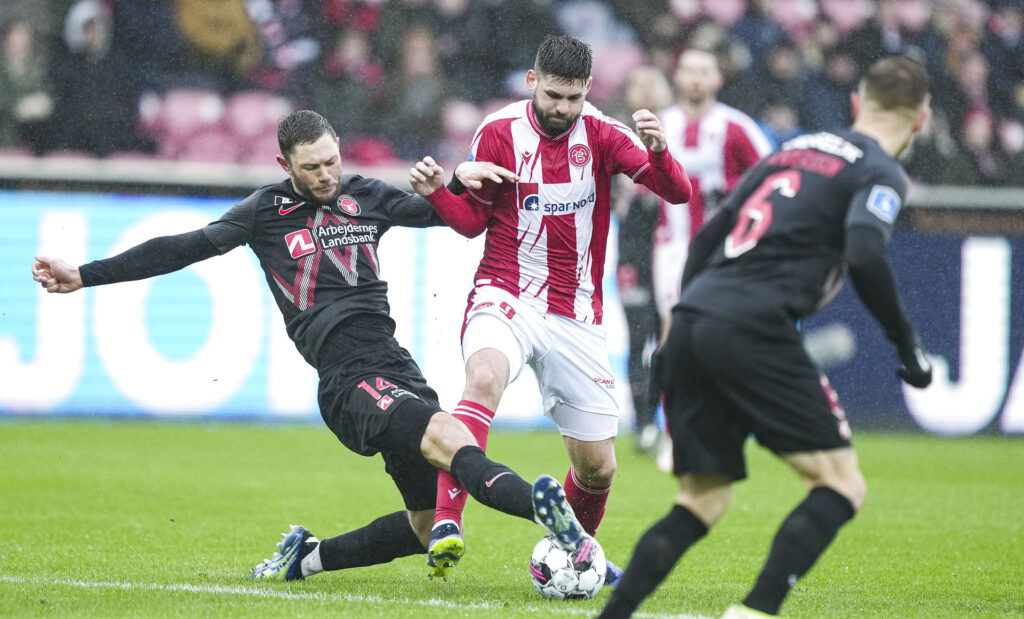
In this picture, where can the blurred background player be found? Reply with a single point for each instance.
(734, 363)
(316, 236)
(637, 210)
(537, 298)
(716, 144)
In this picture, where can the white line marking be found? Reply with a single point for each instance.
(320, 597)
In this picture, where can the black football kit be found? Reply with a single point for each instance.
(733, 363)
(321, 264)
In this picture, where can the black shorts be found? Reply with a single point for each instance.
(383, 407)
(722, 382)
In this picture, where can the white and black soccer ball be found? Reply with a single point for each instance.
(559, 575)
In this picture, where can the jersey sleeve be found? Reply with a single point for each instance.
(877, 200)
(234, 227)
(487, 147)
(404, 208)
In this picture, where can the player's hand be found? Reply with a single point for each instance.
(55, 275)
(426, 176)
(648, 127)
(917, 369)
(473, 173)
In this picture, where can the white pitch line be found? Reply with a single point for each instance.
(318, 596)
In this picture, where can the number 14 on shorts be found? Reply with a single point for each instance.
(380, 384)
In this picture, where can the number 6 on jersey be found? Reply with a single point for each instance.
(756, 213)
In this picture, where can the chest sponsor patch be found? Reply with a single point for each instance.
(884, 203)
(527, 198)
(300, 243)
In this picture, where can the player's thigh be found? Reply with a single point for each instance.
(707, 431)
(498, 321)
(786, 401)
(576, 380)
(379, 416)
(415, 478)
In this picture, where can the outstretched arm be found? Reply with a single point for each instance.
(462, 213)
(154, 257)
(873, 279)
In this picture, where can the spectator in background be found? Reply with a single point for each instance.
(220, 40)
(826, 95)
(935, 157)
(26, 94)
(149, 31)
(290, 50)
(1003, 48)
(637, 209)
(350, 87)
(987, 159)
(465, 33)
(415, 122)
(97, 96)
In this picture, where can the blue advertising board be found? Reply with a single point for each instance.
(208, 341)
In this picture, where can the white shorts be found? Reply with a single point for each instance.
(668, 259)
(569, 358)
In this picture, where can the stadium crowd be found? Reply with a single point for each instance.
(206, 81)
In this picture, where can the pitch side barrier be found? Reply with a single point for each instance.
(207, 342)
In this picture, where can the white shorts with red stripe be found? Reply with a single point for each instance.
(568, 356)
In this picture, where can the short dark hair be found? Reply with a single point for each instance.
(564, 58)
(896, 82)
(301, 127)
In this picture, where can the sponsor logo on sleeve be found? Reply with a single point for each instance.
(884, 203)
(300, 243)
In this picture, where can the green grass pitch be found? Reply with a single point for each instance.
(115, 518)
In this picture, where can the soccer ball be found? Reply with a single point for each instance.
(559, 575)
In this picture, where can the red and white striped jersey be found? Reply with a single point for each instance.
(716, 149)
(548, 232)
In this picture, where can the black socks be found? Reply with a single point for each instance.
(386, 538)
(493, 484)
(653, 558)
(801, 539)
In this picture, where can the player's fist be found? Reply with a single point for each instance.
(917, 369)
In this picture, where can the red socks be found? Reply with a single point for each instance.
(588, 502)
(451, 496)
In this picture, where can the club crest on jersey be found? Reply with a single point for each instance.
(286, 205)
(884, 203)
(527, 196)
(300, 243)
(579, 155)
(348, 204)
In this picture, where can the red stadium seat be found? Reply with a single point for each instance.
(184, 113)
(212, 146)
(253, 112)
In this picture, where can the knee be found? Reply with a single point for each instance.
(444, 436)
(855, 489)
(596, 472)
(484, 381)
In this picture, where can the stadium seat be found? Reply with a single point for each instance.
(260, 149)
(183, 114)
(252, 112)
(368, 151)
(213, 146)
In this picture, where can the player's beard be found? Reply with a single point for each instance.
(552, 124)
(307, 192)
